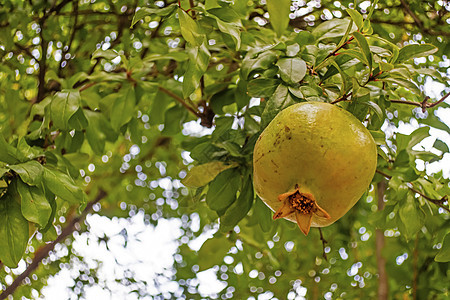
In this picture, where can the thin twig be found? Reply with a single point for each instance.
(413, 15)
(438, 102)
(415, 269)
(181, 101)
(424, 104)
(85, 87)
(419, 23)
(44, 251)
(383, 286)
(42, 64)
(24, 49)
(333, 53)
(342, 98)
(324, 242)
(72, 36)
(438, 202)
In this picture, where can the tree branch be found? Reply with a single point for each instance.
(413, 15)
(333, 53)
(45, 249)
(419, 23)
(342, 98)
(415, 269)
(72, 36)
(24, 49)
(438, 202)
(383, 287)
(181, 101)
(424, 104)
(42, 63)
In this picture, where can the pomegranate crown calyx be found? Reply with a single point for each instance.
(303, 205)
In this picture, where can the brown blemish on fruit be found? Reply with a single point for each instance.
(259, 158)
(274, 163)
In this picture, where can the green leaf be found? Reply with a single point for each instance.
(147, 11)
(30, 172)
(279, 101)
(3, 171)
(240, 94)
(262, 87)
(356, 17)
(206, 152)
(122, 109)
(367, 27)
(63, 186)
(176, 56)
(239, 209)
(212, 252)
(94, 132)
(372, 9)
(415, 50)
(222, 190)
(444, 254)
(441, 146)
(411, 216)
(35, 207)
(359, 106)
(8, 153)
(355, 54)
(173, 120)
(78, 120)
(13, 231)
(263, 62)
(379, 137)
(223, 128)
(417, 136)
(331, 29)
(403, 83)
(201, 175)
(209, 4)
(385, 67)
(25, 152)
(108, 54)
(279, 14)
(292, 69)
(365, 49)
(197, 66)
(263, 215)
(190, 30)
(231, 30)
(226, 14)
(221, 100)
(64, 104)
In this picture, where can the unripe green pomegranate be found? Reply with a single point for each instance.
(312, 163)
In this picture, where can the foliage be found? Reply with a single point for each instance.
(98, 100)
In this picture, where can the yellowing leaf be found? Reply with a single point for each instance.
(201, 175)
(279, 14)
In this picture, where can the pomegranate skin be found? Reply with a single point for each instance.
(320, 148)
